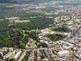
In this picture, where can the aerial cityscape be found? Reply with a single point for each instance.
(40, 30)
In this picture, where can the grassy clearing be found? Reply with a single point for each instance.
(49, 31)
(33, 43)
(19, 21)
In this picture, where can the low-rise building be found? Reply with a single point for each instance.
(63, 53)
(17, 54)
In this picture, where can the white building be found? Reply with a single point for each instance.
(17, 54)
(9, 54)
(68, 45)
(63, 53)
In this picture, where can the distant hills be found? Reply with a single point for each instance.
(26, 1)
(61, 2)
(14, 1)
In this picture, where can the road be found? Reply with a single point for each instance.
(75, 32)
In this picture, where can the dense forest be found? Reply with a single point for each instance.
(16, 34)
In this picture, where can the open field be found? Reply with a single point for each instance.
(49, 31)
(19, 21)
